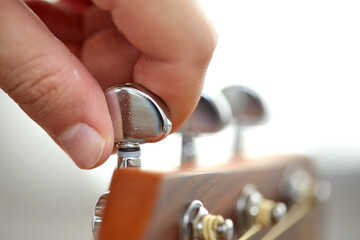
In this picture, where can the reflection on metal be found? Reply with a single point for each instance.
(246, 105)
(128, 155)
(138, 116)
(195, 224)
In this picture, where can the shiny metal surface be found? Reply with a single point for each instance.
(226, 230)
(246, 105)
(247, 109)
(211, 114)
(137, 114)
(98, 213)
(192, 226)
(128, 155)
(195, 211)
(248, 208)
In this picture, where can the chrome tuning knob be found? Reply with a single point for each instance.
(247, 109)
(210, 115)
(138, 116)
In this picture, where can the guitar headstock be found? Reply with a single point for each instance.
(239, 199)
(151, 205)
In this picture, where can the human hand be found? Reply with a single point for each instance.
(165, 46)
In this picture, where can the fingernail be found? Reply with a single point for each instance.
(83, 144)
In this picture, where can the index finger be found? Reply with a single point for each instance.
(177, 41)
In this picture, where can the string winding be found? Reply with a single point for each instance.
(210, 225)
(263, 218)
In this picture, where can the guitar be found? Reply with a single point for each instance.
(276, 197)
(151, 205)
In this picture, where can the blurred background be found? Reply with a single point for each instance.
(301, 57)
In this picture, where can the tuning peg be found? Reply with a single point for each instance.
(298, 185)
(210, 115)
(138, 116)
(253, 209)
(198, 224)
(247, 109)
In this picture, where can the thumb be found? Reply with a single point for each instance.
(52, 86)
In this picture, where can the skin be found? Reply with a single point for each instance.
(57, 59)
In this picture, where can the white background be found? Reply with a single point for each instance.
(302, 57)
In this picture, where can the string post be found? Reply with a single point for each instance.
(128, 154)
(303, 193)
(199, 224)
(255, 212)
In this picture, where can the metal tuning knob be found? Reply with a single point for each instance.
(198, 224)
(210, 115)
(253, 209)
(138, 116)
(247, 109)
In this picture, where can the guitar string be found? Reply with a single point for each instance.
(210, 225)
(263, 218)
(295, 213)
(251, 232)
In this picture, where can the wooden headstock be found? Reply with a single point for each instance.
(150, 205)
(157, 205)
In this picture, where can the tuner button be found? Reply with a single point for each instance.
(137, 114)
(210, 115)
(245, 104)
(247, 110)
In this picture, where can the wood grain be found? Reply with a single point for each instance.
(150, 205)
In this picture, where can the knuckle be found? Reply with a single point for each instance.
(35, 85)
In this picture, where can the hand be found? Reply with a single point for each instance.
(163, 45)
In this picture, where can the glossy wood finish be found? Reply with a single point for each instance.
(150, 205)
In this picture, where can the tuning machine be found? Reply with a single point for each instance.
(198, 224)
(298, 185)
(255, 210)
(247, 110)
(211, 114)
(138, 116)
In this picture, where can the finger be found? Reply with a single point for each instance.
(69, 24)
(61, 19)
(52, 86)
(177, 42)
(109, 57)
